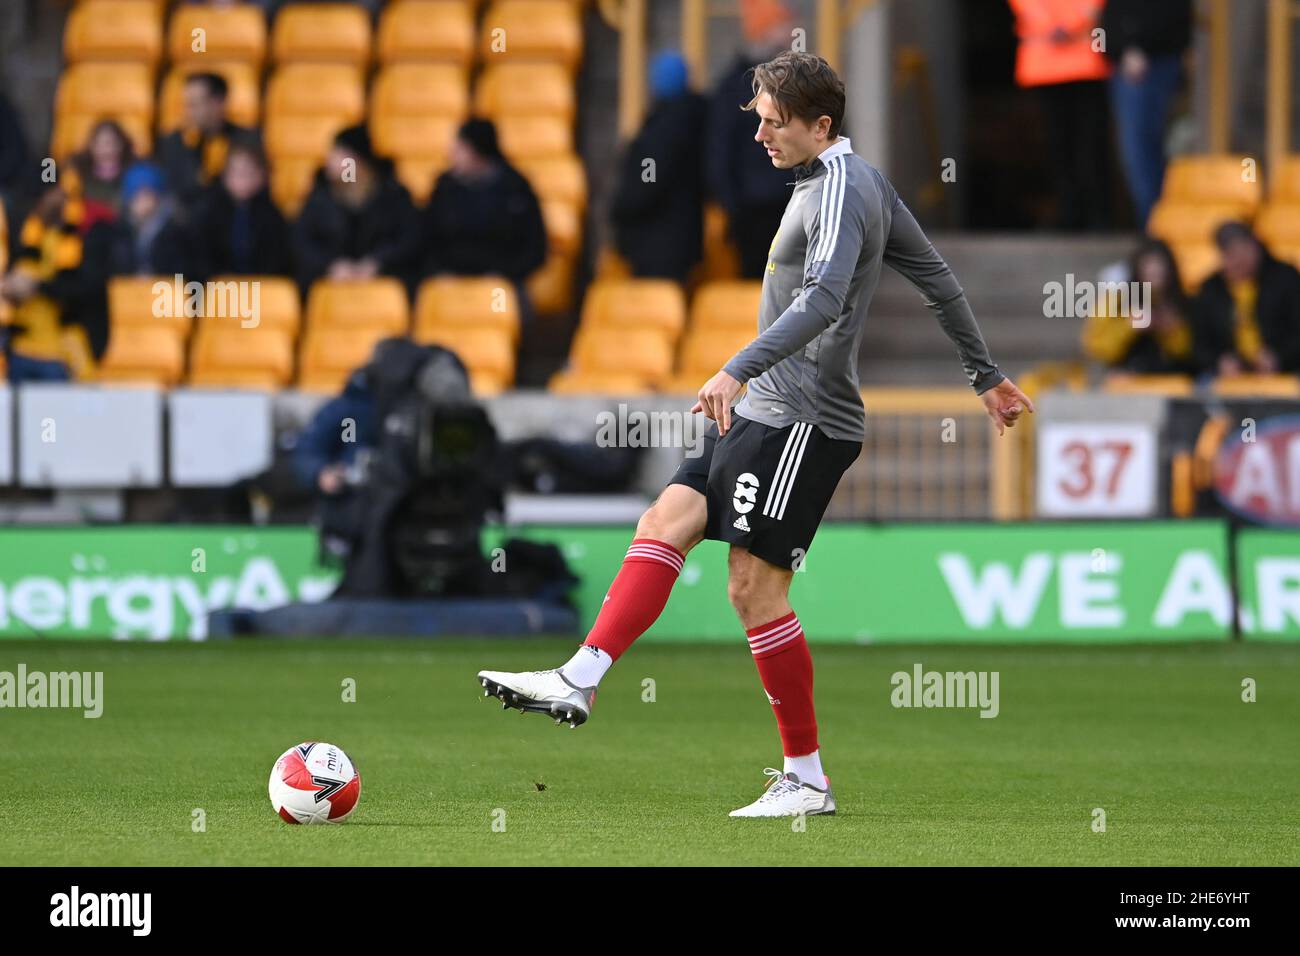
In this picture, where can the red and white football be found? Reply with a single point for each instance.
(314, 783)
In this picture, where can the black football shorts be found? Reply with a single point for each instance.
(767, 488)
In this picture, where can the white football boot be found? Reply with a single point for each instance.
(540, 692)
(787, 796)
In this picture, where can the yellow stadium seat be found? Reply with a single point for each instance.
(243, 104)
(419, 175)
(321, 33)
(524, 138)
(556, 178)
(128, 30)
(89, 92)
(704, 352)
(642, 303)
(484, 302)
(548, 30)
(131, 302)
(1279, 222)
(1178, 220)
(637, 351)
(550, 288)
(727, 303)
(563, 226)
(306, 105)
(1288, 251)
(143, 354)
(198, 33)
(1172, 385)
(490, 352)
(278, 304)
(413, 137)
(1284, 182)
(579, 382)
(421, 88)
(529, 88)
(1224, 179)
(1197, 261)
(316, 89)
(347, 303)
(291, 180)
(427, 30)
(329, 355)
(227, 356)
(721, 259)
(1262, 386)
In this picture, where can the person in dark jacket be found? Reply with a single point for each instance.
(147, 240)
(659, 218)
(194, 155)
(358, 221)
(1247, 315)
(340, 429)
(1145, 39)
(483, 217)
(739, 172)
(242, 231)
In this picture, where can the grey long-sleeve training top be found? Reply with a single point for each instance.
(844, 220)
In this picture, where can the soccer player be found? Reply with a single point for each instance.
(770, 466)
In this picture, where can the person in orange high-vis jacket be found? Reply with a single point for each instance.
(1062, 58)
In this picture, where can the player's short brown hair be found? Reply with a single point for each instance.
(803, 85)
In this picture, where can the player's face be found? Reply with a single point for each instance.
(788, 144)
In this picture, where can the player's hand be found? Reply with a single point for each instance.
(1005, 404)
(715, 400)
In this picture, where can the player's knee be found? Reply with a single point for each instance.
(742, 594)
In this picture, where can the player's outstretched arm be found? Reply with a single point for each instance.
(1005, 404)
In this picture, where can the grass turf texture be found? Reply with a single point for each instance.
(1157, 736)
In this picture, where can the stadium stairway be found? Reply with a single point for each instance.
(1003, 276)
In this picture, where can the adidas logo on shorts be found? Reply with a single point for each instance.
(741, 523)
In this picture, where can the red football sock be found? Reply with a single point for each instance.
(785, 668)
(637, 597)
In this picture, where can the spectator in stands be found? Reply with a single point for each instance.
(148, 239)
(195, 154)
(1145, 41)
(1156, 336)
(240, 228)
(14, 158)
(659, 218)
(1247, 315)
(483, 217)
(358, 221)
(94, 182)
(739, 173)
(42, 277)
(1059, 58)
(327, 447)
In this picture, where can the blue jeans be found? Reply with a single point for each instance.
(1141, 110)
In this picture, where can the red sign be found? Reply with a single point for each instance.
(1257, 473)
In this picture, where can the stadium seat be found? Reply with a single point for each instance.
(131, 303)
(1197, 261)
(488, 353)
(353, 303)
(129, 30)
(563, 222)
(721, 259)
(550, 288)
(144, 355)
(329, 355)
(321, 33)
(306, 105)
(1261, 386)
(1178, 220)
(89, 92)
(234, 34)
(227, 356)
(427, 30)
(704, 351)
(635, 303)
(556, 178)
(549, 30)
(278, 305)
(243, 104)
(1279, 222)
(1284, 183)
(727, 303)
(291, 181)
(421, 89)
(533, 137)
(642, 353)
(1211, 179)
(575, 382)
(1174, 386)
(534, 89)
(485, 302)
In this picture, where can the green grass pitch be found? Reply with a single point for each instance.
(1158, 737)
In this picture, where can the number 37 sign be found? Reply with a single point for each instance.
(1096, 470)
